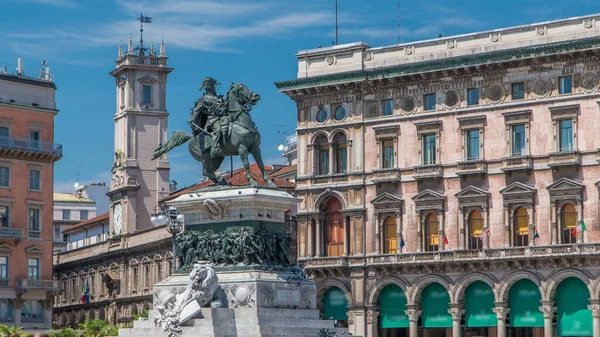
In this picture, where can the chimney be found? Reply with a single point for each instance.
(19, 66)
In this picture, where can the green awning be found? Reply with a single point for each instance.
(525, 304)
(479, 302)
(435, 303)
(573, 316)
(392, 306)
(335, 304)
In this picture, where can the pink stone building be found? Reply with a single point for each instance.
(450, 186)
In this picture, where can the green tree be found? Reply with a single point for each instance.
(64, 332)
(12, 331)
(93, 328)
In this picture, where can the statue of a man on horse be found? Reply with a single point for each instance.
(221, 126)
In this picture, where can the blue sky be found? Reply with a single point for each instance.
(253, 42)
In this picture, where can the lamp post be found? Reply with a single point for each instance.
(173, 220)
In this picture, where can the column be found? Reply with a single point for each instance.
(319, 246)
(372, 324)
(419, 232)
(398, 232)
(554, 224)
(595, 308)
(331, 158)
(378, 233)
(413, 316)
(461, 228)
(441, 230)
(346, 236)
(456, 312)
(501, 312)
(309, 238)
(485, 236)
(579, 220)
(548, 309)
(531, 225)
(507, 223)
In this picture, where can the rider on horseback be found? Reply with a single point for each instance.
(207, 114)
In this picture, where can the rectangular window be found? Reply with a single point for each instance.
(323, 160)
(473, 145)
(32, 311)
(34, 219)
(7, 310)
(342, 158)
(4, 134)
(429, 102)
(34, 139)
(4, 176)
(388, 154)
(518, 90)
(518, 140)
(429, 149)
(4, 216)
(57, 233)
(388, 107)
(565, 85)
(66, 214)
(34, 180)
(83, 214)
(565, 136)
(33, 269)
(147, 94)
(3, 267)
(472, 97)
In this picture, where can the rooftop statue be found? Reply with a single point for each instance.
(221, 126)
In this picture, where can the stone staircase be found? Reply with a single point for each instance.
(242, 322)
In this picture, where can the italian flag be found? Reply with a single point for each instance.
(580, 228)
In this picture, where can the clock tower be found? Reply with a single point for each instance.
(138, 183)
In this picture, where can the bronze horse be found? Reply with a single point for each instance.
(243, 138)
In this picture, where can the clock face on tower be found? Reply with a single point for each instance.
(117, 219)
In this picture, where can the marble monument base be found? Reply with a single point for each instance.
(255, 303)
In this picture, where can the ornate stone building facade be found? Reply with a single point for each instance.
(450, 186)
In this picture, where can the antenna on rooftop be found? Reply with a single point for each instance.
(398, 21)
(336, 23)
(142, 19)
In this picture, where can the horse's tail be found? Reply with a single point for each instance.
(178, 138)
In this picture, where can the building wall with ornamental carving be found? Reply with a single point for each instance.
(450, 186)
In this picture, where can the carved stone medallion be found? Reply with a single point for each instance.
(495, 93)
(589, 82)
(372, 110)
(451, 100)
(330, 60)
(408, 104)
(588, 23)
(541, 88)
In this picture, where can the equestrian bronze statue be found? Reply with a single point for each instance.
(221, 126)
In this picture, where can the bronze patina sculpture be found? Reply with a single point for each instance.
(221, 126)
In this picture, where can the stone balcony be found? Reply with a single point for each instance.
(564, 158)
(471, 167)
(31, 150)
(427, 171)
(517, 163)
(48, 285)
(475, 256)
(386, 175)
(11, 233)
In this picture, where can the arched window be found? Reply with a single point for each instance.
(568, 222)
(335, 228)
(521, 227)
(341, 153)
(475, 230)
(322, 147)
(432, 238)
(389, 232)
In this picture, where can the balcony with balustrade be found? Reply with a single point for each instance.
(513, 254)
(389, 175)
(517, 162)
(11, 233)
(46, 285)
(30, 150)
(427, 171)
(564, 158)
(471, 167)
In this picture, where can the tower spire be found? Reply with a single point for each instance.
(162, 47)
(130, 46)
(120, 49)
(143, 19)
